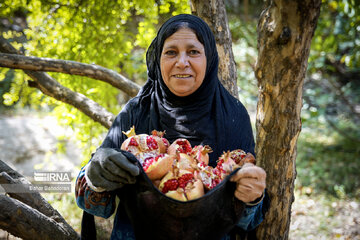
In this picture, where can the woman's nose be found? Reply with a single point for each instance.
(182, 61)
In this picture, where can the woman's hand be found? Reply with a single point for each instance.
(250, 182)
(109, 170)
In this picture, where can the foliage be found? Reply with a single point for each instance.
(113, 34)
(327, 161)
(329, 145)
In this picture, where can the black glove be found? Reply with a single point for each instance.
(110, 169)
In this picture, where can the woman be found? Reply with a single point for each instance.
(184, 97)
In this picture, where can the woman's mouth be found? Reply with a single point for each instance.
(182, 75)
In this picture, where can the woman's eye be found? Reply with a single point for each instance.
(170, 53)
(194, 52)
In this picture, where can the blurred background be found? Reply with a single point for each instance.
(38, 132)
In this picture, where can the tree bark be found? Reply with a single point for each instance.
(285, 30)
(213, 12)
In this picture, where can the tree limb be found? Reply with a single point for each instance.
(9, 176)
(28, 223)
(69, 67)
(27, 214)
(52, 88)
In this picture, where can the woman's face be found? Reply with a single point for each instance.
(183, 62)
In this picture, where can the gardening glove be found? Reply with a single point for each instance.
(250, 183)
(109, 169)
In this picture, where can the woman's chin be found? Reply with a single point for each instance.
(182, 92)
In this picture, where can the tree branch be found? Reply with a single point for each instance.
(70, 67)
(52, 88)
(28, 223)
(30, 211)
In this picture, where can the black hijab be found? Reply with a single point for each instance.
(210, 115)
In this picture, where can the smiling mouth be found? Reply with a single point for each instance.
(182, 75)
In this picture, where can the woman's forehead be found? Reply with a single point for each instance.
(183, 36)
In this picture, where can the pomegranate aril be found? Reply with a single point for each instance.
(170, 185)
(151, 143)
(133, 142)
(184, 146)
(185, 179)
(147, 162)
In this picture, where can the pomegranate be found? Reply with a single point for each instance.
(156, 167)
(185, 162)
(144, 146)
(181, 185)
(201, 154)
(180, 145)
(227, 162)
(208, 177)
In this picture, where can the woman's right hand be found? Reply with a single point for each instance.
(109, 170)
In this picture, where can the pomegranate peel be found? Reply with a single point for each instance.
(201, 153)
(159, 167)
(185, 162)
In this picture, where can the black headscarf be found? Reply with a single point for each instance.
(209, 116)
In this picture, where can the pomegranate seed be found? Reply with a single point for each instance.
(184, 146)
(151, 143)
(185, 179)
(166, 142)
(147, 163)
(170, 185)
(133, 142)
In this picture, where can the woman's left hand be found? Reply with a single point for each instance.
(250, 182)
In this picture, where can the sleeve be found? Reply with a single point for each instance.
(254, 215)
(103, 203)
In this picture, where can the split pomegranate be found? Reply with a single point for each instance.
(227, 162)
(156, 167)
(143, 145)
(180, 145)
(181, 185)
(201, 153)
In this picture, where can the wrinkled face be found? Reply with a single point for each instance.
(183, 62)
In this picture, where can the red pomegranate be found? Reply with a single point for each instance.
(157, 166)
(181, 185)
(180, 145)
(143, 145)
(227, 162)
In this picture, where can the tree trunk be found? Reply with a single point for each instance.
(213, 12)
(285, 31)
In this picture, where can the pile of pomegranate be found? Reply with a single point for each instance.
(179, 170)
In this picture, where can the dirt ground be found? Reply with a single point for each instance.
(320, 218)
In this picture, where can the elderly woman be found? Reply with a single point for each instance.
(184, 97)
